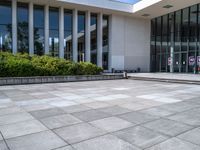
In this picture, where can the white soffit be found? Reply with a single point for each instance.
(156, 9)
(146, 9)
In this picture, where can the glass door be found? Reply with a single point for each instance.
(177, 62)
(184, 62)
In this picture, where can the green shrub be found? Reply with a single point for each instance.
(22, 65)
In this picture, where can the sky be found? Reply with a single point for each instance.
(129, 1)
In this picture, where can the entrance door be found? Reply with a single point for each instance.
(184, 62)
(177, 62)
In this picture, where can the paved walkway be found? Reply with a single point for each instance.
(167, 76)
(100, 115)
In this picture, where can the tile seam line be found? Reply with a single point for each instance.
(5, 141)
(52, 131)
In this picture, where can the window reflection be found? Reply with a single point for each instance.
(68, 53)
(105, 41)
(54, 32)
(38, 30)
(22, 28)
(179, 41)
(93, 35)
(5, 26)
(81, 36)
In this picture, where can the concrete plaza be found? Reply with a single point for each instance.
(100, 115)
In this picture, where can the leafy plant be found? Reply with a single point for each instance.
(22, 65)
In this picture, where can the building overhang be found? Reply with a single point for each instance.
(145, 9)
(157, 8)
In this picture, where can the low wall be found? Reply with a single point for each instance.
(55, 79)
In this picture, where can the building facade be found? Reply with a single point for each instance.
(156, 35)
(175, 41)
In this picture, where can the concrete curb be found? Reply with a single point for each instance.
(55, 79)
(165, 80)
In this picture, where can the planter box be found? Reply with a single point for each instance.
(55, 79)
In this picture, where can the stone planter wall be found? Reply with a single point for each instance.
(55, 79)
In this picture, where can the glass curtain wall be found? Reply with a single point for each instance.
(105, 41)
(38, 30)
(68, 51)
(22, 28)
(81, 36)
(5, 26)
(54, 32)
(175, 41)
(93, 35)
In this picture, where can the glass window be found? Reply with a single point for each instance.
(38, 30)
(158, 36)
(93, 32)
(165, 34)
(185, 29)
(22, 28)
(5, 26)
(153, 52)
(81, 36)
(68, 52)
(177, 36)
(54, 32)
(177, 31)
(105, 41)
(193, 28)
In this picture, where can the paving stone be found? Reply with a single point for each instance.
(179, 107)
(3, 146)
(39, 141)
(167, 127)
(174, 144)
(192, 136)
(194, 100)
(107, 142)
(157, 111)
(138, 118)
(37, 107)
(47, 113)
(135, 106)
(62, 103)
(79, 132)
(91, 115)
(191, 117)
(140, 136)
(96, 105)
(1, 138)
(111, 124)
(7, 105)
(115, 110)
(10, 110)
(65, 148)
(75, 108)
(21, 128)
(14, 118)
(60, 121)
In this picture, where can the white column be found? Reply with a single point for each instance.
(46, 34)
(110, 43)
(14, 26)
(75, 35)
(31, 30)
(87, 37)
(99, 39)
(61, 32)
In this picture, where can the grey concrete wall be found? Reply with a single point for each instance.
(130, 43)
(56, 79)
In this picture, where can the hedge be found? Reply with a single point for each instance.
(22, 65)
